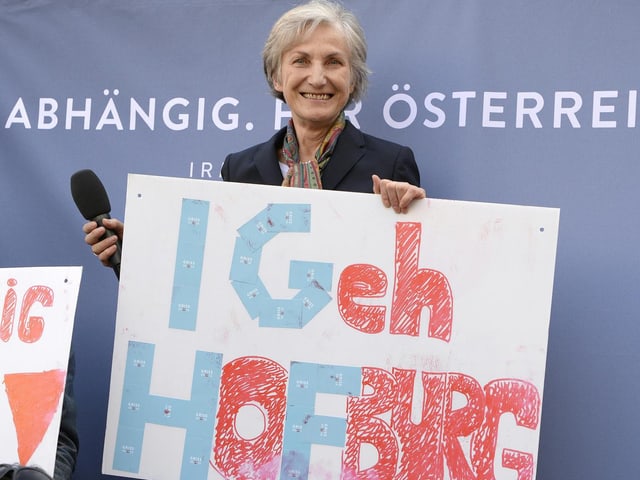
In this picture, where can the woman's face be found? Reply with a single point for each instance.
(315, 78)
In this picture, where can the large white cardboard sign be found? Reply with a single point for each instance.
(277, 333)
(38, 308)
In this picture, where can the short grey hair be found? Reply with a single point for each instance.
(305, 18)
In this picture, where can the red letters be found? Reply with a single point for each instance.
(461, 422)
(358, 281)
(363, 426)
(8, 311)
(262, 383)
(414, 289)
(407, 448)
(418, 450)
(505, 396)
(30, 328)
(421, 444)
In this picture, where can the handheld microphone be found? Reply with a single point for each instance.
(92, 200)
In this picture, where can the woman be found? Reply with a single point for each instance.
(315, 61)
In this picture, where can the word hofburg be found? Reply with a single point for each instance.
(488, 109)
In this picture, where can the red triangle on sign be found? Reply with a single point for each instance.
(33, 398)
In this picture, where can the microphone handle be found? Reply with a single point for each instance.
(114, 261)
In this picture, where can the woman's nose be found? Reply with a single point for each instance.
(317, 76)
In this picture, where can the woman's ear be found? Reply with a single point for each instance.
(276, 84)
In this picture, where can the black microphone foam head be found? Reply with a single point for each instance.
(89, 194)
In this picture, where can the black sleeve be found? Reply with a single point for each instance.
(68, 442)
(405, 167)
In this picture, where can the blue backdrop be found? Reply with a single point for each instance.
(530, 103)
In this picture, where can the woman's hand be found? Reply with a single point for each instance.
(397, 195)
(103, 248)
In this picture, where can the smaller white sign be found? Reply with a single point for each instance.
(38, 308)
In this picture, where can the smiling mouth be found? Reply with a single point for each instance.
(316, 96)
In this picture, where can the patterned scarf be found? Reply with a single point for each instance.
(307, 174)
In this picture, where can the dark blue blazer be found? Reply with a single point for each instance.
(355, 158)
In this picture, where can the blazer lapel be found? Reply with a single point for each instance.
(266, 159)
(348, 151)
